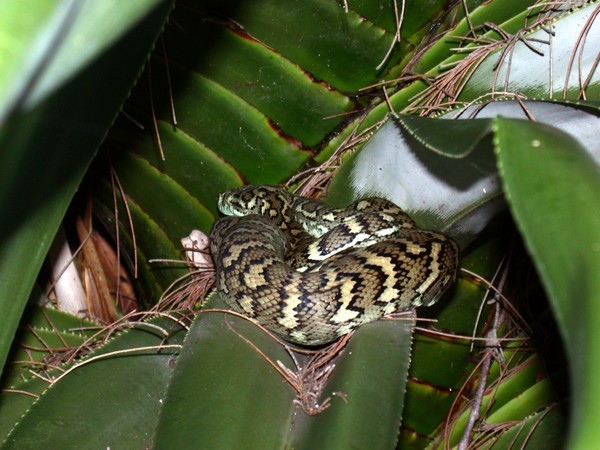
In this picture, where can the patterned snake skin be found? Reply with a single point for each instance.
(312, 273)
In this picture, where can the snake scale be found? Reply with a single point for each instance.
(311, 273)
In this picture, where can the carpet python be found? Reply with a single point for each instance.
(311, 273)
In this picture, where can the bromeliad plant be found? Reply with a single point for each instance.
(492, 139)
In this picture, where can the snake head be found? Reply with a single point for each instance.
(268, 201)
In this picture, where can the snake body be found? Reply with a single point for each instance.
(312, 273)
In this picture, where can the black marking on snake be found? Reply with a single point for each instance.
(337, 292)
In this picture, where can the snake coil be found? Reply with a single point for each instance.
(312, 273)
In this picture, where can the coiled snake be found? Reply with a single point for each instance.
(312, 273)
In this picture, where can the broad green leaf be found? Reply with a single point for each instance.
(223, 122)
(370, 378)
(20, 33)
(36, 347)
(49, 129)
(262, 77)
(577, 118)
(555, 207)
(151, 243)
(222, 382)
(223, 392)
(173, 208)
(188, 163)
(112, 401)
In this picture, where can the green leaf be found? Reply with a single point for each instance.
(48, 333)
(263, 77)
(49, 133)
(223, 122)
(340, 48)
(120, 392)
(222, 382)
(35, 348)
(371, 375)
(450, 184)
(514, 397)
(553, 186)
(522, 71)
(452, 189)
